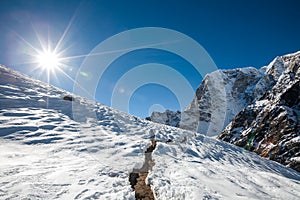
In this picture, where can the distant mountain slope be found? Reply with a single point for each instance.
(51, 148)
(170, 118)
(271, 126)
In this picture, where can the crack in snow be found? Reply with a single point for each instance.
(137, 177)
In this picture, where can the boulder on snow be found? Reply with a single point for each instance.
(68, 98)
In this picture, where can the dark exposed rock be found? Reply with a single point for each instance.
(68, 98)
(137, 177)
(292, 96)
(133, 176)
(270, 127)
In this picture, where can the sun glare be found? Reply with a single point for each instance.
(48, 60)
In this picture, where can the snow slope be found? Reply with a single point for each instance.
(46, 153)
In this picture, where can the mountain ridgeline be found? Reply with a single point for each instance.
(257, 109)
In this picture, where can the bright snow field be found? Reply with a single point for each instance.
(46, 153)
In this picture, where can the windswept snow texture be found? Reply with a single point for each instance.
(46, 153)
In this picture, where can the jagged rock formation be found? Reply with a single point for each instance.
(168, 117)
(270, 126)
(221, 95)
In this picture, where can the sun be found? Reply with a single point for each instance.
(48, 60)
(47, 57)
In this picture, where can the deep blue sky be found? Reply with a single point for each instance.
(234, 33)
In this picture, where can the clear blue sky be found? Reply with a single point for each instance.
(234, 33)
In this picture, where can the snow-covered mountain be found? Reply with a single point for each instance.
(271, 125)
(169, 117)
(222, 95)
(54, 147)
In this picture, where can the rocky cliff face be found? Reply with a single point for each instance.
(270, 126)
(168, 117)
(220, 96)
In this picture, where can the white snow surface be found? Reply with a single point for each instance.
(46, 154)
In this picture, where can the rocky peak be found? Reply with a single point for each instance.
(270, 126)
